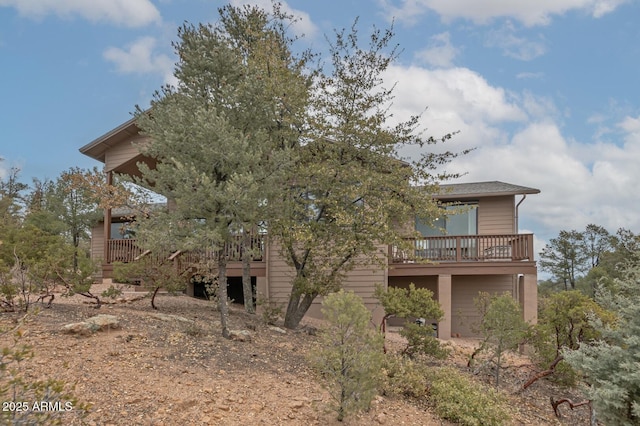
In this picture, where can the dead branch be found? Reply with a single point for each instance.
(572, 404)
(51, 296)
(92, 296)
(544, 373)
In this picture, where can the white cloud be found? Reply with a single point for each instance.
(130, 13)
(439, 52)
(519, 140)
(139, 58)
(457, 99)
(530, 13)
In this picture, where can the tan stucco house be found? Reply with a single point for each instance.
(482, 249)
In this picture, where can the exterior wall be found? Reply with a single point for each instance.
(496, 215)
(361, 280)
(122, 152)
(97, 247)
(279, 275)
(464, 290)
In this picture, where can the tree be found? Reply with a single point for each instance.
(564, 324)
(155, 270)
(413, 303)
(502, 327)
(565, 258)
(349, 190)
(349, 354)
(222, 136)
(596, 242)
(609, 362)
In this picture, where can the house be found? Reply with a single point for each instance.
(480, 250)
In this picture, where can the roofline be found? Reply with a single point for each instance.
(522, 190)
(96, 148)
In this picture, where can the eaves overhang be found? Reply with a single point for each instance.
(460, 191)
(96, 149)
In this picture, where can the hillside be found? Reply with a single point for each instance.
(171, 367)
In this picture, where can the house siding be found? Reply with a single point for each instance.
(464, 289)
(361, 280)
(496, 215)
(122, 152)
(97, 247)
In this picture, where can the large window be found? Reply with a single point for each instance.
(460, 219)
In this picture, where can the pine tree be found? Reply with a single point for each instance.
(221, 138)
(349, 355)
(610, 365)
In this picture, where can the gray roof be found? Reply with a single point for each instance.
(482, 189)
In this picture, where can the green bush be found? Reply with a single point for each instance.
(459, 399)
(403, 376)
(271, 310)
(349, 355)
(421, 340)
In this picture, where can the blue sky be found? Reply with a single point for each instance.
(546, 90)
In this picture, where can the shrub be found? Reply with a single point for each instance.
(404, 376)
(350, 355)
(420, 340)
(26, 394)
(459, 399)
(271, 311)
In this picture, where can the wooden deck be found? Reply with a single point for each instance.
(466, 248)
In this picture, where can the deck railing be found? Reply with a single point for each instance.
(127, 250)
(466, 248)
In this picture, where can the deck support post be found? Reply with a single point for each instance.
(444, 298)
(528, 292)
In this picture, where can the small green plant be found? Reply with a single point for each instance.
(271, 310)
(502, 327)
(32, 402)
(112, 292)
(458, 398)
(349, 355)
(193, 329)
(404, 376)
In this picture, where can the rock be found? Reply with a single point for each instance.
(277, 329)
(240, 335)
(80, 328)
(104, 322)
(296, 404)
(91, 325)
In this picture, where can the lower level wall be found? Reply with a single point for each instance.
(464, 289)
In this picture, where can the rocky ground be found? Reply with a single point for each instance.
(172, 367)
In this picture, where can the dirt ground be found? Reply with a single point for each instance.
(176, 369)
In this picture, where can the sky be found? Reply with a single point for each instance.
(546, 91)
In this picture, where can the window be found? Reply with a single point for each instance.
(121, 231)
(463, 222)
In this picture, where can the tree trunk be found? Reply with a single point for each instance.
(298, 305)
(153, 297)
(222, 294)
(247, 289)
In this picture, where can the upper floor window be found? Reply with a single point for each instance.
(459, 219)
